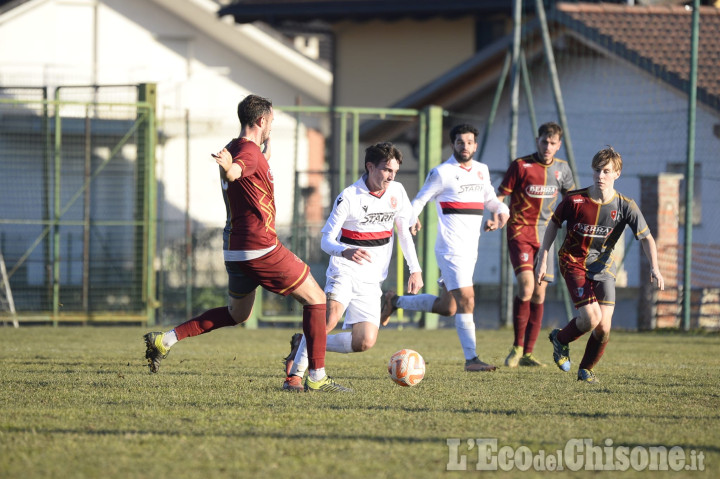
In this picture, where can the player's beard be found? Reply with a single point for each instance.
(462, 159)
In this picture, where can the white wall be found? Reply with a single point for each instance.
(137, 41)
(610, 103)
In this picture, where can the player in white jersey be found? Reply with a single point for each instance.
(358, 236)
(461, 190)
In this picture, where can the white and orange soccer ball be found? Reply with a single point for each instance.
(406, 367)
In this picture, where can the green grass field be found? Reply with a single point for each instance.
(80, 402)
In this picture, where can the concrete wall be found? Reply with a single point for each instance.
(379, 63)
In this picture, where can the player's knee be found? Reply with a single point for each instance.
(602, 334)
(444, 308)
(363, 344)
(594, 318)
(467, 304)
(538, 297)
(239, 316)
(526, 292)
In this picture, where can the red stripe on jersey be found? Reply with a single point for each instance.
(458, 205)
(366, 235)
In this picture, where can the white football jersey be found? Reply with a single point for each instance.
(461, 195)
(365, 220)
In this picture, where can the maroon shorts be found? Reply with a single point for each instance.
(584, 290)
(279, 271)
(524, 257)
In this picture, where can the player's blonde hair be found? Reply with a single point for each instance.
(605, 156)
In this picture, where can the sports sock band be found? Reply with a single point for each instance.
(465, 327)
(521, 313)
(416, 302)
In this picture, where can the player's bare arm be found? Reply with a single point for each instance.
(233, 171)
(415, 283)
(548, 240)
(650, 249)
(357, 255)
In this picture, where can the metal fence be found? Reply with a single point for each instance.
(77, 208)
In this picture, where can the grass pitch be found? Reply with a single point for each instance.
(80, 402)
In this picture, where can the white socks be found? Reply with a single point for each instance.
(340, 343)
(316, 374)
(336, 343)
(169, 339)
(465, 327)
(300, 363)
(416, 302)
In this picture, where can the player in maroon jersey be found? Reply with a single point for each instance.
(534, 184)
(253, 254)
(596, 217)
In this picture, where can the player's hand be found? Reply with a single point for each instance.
(357, 255)
(223, 158)
(415, 228)
(415, 283)
(540, 272)
(490, 225)
(502, 220)
(655, 276)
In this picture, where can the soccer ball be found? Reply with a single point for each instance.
(406, 367)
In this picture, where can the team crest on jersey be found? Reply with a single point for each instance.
(524, 257)
(558, 175)
(393, 202)
(270, 177)
(480, 175)
(614, 215)
(579, 292)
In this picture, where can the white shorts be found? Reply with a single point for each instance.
(457, 271)
(361, 300)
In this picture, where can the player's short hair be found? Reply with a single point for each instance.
(605, 156)
(378, 152)
(550, 129)
(252, 108)
(463, 128)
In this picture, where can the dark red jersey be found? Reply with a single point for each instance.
(249, 200)
(593, 229)
(534, 189)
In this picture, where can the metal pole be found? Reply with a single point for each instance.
(495, 103)
(506, 277)
(343, 151)
(690, 166)
(557, 93)
(188, 225)
(528, 93)
(86, 213)
(296, 184)
(57, 211)
(356, 147)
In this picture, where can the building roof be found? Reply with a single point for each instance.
(654, 38)
(632, 33)
(278, 12)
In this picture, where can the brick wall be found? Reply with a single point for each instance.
(659, 202)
